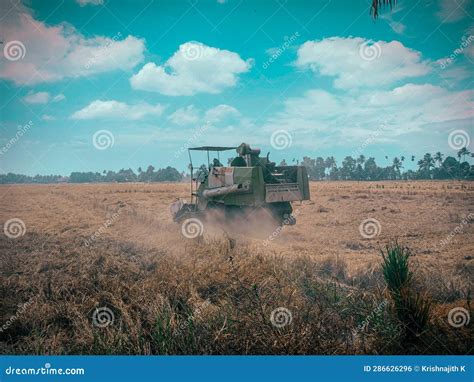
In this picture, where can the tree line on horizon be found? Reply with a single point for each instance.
(430, 166)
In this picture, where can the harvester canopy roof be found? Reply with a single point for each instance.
(212, 148)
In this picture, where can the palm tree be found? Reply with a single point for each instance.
(397, 165)
(462, 153)
(426, 164)
(330, 164)
(438, 158)
(429, 161)
(377, 4)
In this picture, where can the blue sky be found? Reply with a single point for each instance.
(96, 85)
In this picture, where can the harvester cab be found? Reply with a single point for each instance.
(246, 184)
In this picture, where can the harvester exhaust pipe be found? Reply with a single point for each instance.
(233, 189)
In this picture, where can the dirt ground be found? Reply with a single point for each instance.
(345, 222)
(422, 215)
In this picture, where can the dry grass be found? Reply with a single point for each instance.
(215, 295)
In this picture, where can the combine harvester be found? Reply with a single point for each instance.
(247, 184)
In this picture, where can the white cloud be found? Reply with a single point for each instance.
(42, 97)
(185, 116)
(83, 3)
(118, 110)
(346, 119)
(456, 73)
(416, 105)
(220, 113)
(451, 11)
(37, 98)
(52, 53)
(468, 39)
(357, 62)
(47, 117)
(194, 68)
(397, 26)
(59, 97)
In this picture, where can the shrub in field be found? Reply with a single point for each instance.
(395, 267)
(412, 307)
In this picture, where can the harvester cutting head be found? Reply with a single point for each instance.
(247, 184)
